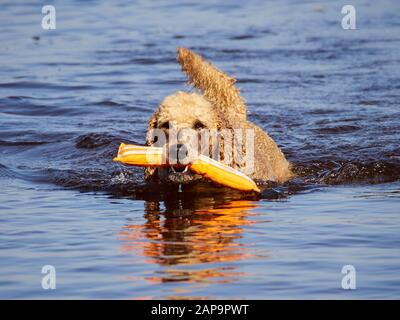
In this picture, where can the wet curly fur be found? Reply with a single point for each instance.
(218, 106)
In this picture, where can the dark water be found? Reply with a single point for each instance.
(69, 96)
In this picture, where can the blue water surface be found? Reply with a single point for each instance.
(69, 96)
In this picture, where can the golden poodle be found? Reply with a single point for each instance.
(217, 107)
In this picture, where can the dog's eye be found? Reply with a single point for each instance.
(165, 125)
(199, 125)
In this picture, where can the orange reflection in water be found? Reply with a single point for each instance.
(186, 239)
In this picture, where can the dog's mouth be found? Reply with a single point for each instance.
(181, 175)
(181, 169)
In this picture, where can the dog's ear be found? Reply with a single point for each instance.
(217, 87)
(151, 125)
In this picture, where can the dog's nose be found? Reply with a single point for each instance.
(179, 146)
(178, 153)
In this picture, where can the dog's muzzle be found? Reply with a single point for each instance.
(178, 170)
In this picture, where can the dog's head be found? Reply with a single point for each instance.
(184, 110)
(179, 124)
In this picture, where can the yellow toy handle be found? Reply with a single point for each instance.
(140, 155)
(223, 174)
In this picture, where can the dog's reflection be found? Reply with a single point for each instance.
(190, 232)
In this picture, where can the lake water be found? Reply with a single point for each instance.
(328, 96)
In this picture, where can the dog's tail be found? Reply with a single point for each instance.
(217, 87)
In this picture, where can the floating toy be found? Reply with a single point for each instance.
(203, 165)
